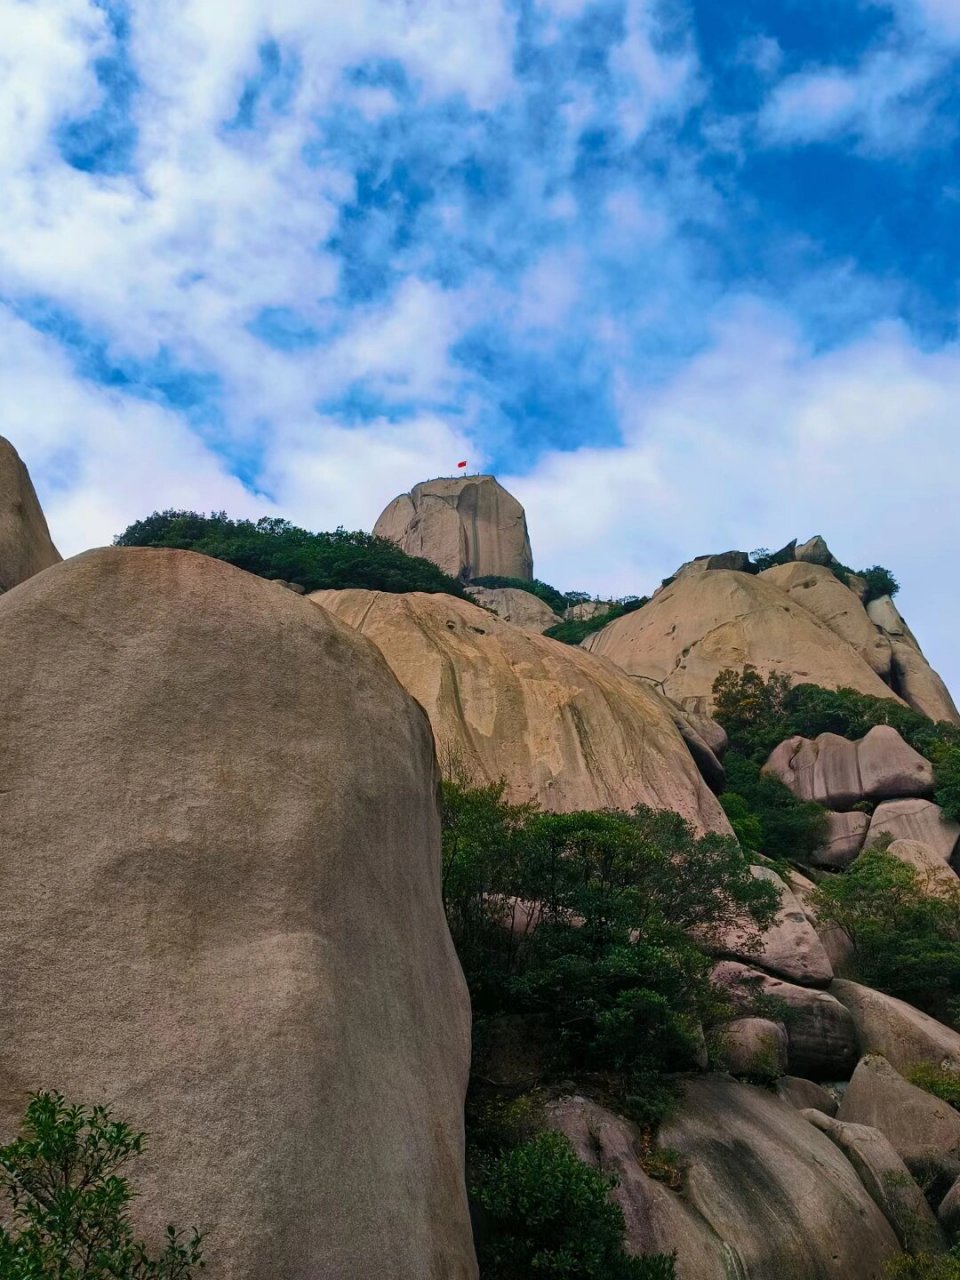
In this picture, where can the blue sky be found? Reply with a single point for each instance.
(684, 274)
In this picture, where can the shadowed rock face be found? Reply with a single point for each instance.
(470, 527)
(563, 727)
(25, 545)
(220, 912)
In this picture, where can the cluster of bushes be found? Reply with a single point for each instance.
(879, 581)
(276, 549)
(576, 630)
(575, 932)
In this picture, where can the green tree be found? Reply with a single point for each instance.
(549, 1214)
(68, 1201)
(880, 582)
(947, 777)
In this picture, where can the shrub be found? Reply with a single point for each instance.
(575, 631)
(906, 941)
(947, 778)
(277, 549)
(68, 1201)
(939, 1081)
(925, 1266)
(790, 829)
(752, 709)
(549, 1214)
(880, 582)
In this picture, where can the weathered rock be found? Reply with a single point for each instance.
(220, 913)
(563, 727)
(821, 1038)
(25, 545)
(919, 820)
(657, 1219)
(936, 877)
(471, 527)
(762, 1176)
(689, 727)
(805, 1095)
(814, 551)
(888, 1181)
(737, 560)
(704, 623)
(923, 1130)
(838, 773)
(846, 833)
(790, 948)
(818, 590)
(586, 610)
(755, 1047)
(519, 607)
(901, 1034)
(914, 678)
(948, 1213)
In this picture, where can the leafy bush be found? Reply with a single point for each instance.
(880, 582)
(752, 710)
(905, 941)
(939, 1081)
(277, 549)
(790, 829)
(576, 630)
(549, 1214)
(925, 1266)
(67, 1201)
(947, 778)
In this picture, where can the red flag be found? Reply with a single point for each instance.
(461, 465)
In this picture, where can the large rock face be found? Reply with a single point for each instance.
(470, 527)
(919, 820)
(563, 727)
(220, 912)
(891, 1027)
(838, 773)
(781, 1196)
(790, 948)
(913, 676)
(702, 623)
(25, 545)
(516, 606)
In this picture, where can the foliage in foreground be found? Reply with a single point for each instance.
(277, 549)
(67, 1201)
(925, 1266)
(906, 941)
(549, 1214)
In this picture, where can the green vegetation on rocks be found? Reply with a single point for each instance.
(273, 548)
(66, 1215)
(576, 630)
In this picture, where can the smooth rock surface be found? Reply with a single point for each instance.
(563, 727)
(25, 544)
(814, 551)
(821, 1037)
(220, 913)
(519, 607)
(888, 1181)
(471, 527)
(704, 623)
(780, 1194)
(805, 1095)
(948, 1212)
(923, 1129)
(754, 1047)
(919, 820)
(846, 833)
(936, 877)
(838, 773)
(817, 589)
(790, 948)
(893, 1028)
(916, 680)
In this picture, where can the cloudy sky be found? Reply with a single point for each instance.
(682, 273)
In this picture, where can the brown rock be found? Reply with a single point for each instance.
(846, 833)
(918, 820)
(821, 1038)
(25, 545)
(915, 678)
(586, 610)
(814, 551)
(657, 1219)
(521, 608)
(936, 877)
(838, 773)
(784, 1199)
(923, 1130)
(221, 914)
(790, 948)
(805, 1095)
(888, 1181)
(754, 1047)
(903, 1035)
(948, 1214)
(818, 590)
(471, 527)
(563, 727)
(704, 623)
(738, 560)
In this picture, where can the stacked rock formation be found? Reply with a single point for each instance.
(25, 544)
(470, 527)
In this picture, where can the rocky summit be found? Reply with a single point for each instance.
(428, 946)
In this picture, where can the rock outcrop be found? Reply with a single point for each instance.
(517, 606)
(805, 1095)
(220, 912)
(935, 877)
(761, 1176)
(790, 948)
(919, 820)
(838, 773)
(891, 1027)
(705, 622)
(846, 833)
(563, 727)
(754, 1047)
(25, 544)
(913, 677)
(469, 527)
